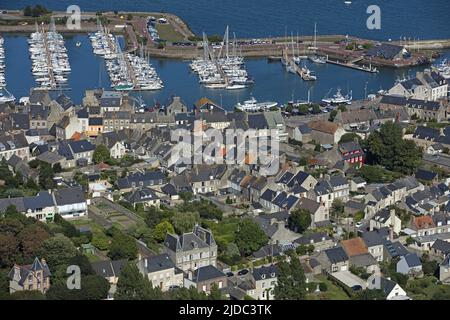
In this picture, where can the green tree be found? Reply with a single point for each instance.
(187, 294)
(291, 284)
(303, 109)
(184, 221)
(31, 238)
(215, 293)
(367, 294)
(122, 246)
(249, 237)
(57, 251)
(316, 109)
(299, 220)
(101, 154)
(349, 137)
(161, 230)
(46, 176)
(332, 116)
(359, 216)
(337, 206)
(153, 217)
(387, 148)
(132, 285)
(27, 295)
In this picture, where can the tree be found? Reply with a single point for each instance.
(316, 109)
(367, 294)
(27, 12)
(249, 237)
(387, 148)
(31, 238)
(153, 217)
(184, 221)
(11, 210)
(101, 154)
(291, 284)
(337, 206)
(46, 176)
(161, 230)
(215, 293)
(9, 245)
(57, 251)
(333, 115)
(57, 168)
(83, 262)
(350, 137)
(27, 295)
(299, 220)
(132, 285)
(359, 216)
(187, 294)
(303, 109)
(94, 287)
(122, 246)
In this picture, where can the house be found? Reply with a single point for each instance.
(356, 119)
(352, 152)
(320, 241)
(110, 270)
(95, 127)
(423, 226)
(30, 277)
(76, 152)
(274, 226)
(206, 179)
(270, 250)
(386, 218)
(386, 51)
(264, 280)
(111, 101)
(14, 144)
(410, 265)
(444, 270)
(357, 184)
(354, 247)
(115, 142)
(365, 261)
(145, 196)
(70, 202)
(161, 272)
(319, 214)
(325, 132)
(301, 133)
(390, 288)
(67, 127)
(206, 105)
(419, 108)
(40, 207)
(427, 85)
(139, 179)
(175, 106)
(192, 250)
(375, 244)
(334, 260)
(426, 176)
(203, 278)
(441, 248)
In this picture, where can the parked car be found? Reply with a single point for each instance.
(230, 274)
(243, 272)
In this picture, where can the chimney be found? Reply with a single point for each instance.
(190, 274)
(145, 262)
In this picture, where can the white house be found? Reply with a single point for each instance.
(390, 288)
(70, 202)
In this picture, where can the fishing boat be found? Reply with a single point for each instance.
(338, 98)
(252, 105)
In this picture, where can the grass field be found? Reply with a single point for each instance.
(168, 33)
(333, 293)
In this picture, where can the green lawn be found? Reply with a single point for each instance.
(168, 33)
(333, 293)
(224, 230)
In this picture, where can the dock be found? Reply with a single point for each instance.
(352, 65)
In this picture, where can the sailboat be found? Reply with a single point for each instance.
(316, 58)
(6, 96)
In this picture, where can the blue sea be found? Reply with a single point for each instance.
(399, 18)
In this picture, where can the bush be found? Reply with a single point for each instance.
(323, 287)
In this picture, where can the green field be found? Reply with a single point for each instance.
(168, 33)
(333, 293)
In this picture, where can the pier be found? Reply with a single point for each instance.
(352, 65)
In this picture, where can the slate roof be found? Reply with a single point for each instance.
(26, 270)
(159, 263)
(97, 121)
(412, 260)
(199, 238)
(372, 238)
(336, 255)
(69, 196)
(395, 249)
(207, 273)
(139, 179)
(363, 260)
(108, 269)
(385, 50)
(312, 238)
(442, 246)
(265, 272)
(425, 175)
(141, 195)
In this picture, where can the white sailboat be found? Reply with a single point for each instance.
(315, 57)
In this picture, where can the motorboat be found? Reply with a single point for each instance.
(252, 105)
(338, 98)
(6, 96)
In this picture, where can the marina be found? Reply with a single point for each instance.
(222, 70)
(126, 71)
(50, 62)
